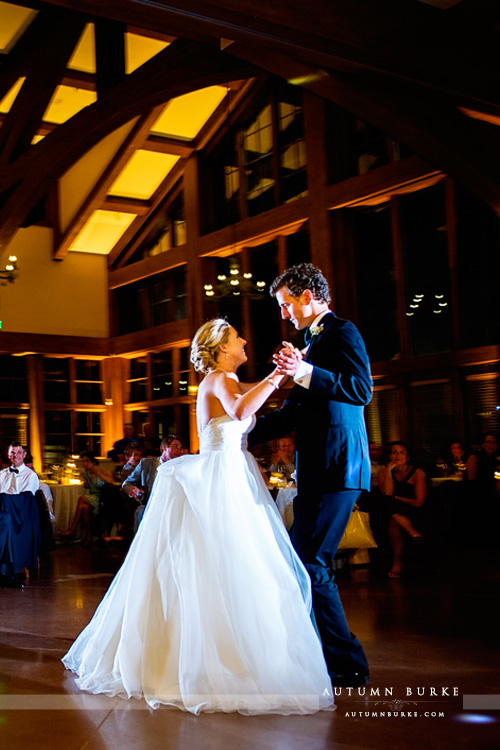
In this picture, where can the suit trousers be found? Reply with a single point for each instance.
(319, 522)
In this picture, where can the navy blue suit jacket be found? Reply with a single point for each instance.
(327, 417)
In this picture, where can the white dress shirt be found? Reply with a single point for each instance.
(304, 373)
(49, 499)
(24, 480)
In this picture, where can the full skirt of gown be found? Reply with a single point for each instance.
(211, 609)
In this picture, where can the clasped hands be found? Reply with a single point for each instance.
(287, 360)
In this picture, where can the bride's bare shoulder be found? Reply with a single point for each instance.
(215, 377)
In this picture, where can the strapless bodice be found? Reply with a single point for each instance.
(225, 434)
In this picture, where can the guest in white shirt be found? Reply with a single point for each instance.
(15, 479)
(18, 477)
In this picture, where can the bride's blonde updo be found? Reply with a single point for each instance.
(206, 344)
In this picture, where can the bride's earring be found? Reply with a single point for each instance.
(227, 355)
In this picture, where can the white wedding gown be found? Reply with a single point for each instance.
(210, 610)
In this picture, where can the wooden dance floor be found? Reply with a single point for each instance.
(431, 639)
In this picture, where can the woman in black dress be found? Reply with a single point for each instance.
(404, 490)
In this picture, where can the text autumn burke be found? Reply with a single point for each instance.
(415, 692)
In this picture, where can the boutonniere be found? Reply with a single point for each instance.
(316, 330)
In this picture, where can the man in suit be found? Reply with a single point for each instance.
(139, 484)
(325, 408)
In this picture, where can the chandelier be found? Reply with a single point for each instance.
(10, 271)
(235, 284)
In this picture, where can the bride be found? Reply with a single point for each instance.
(211, 609)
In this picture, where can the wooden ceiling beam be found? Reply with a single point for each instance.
(154, 83)
(97, 195)
(173, 146)
(411, 42)
(59, 33)
(126, 205)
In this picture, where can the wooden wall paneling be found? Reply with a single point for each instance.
(177, 333)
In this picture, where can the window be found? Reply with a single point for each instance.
(433, 421)
(151, 302)
(478, 267)
(292, 151)
(482, 392)
(259, 163)
(258, 151)
(264, 316)
(162, 375)
(13, 379)
(56, 380)
(58, 442)
(13, 426)
(427, 282)
(382, 416)
(88, 432)
(298, 247)
(138, 381)
(376, 285)
(184, 368)
(88, 382)
(168, 230)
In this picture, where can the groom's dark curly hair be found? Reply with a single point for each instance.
(300, 277)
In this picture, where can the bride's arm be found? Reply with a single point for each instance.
(242, 400)
(245, 387)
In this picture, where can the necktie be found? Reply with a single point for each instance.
(15, 471)
(307, 336)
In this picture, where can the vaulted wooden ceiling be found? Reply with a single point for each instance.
(426, 73)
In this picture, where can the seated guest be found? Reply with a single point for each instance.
(133, 455)
(460, 459)
(18, 477)
(19, 520)
(283, 461)
(403, 487)
(118, 508)
(88, 505)
(139, 483)
(120, 445)
(484, 463)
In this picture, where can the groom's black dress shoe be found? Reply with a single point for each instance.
(7, 582)
(351, 679)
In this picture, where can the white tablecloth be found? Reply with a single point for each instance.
(65, 501)
(284, 503)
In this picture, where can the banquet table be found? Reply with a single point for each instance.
(65, 502)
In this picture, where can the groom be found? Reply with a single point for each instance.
(325, 408)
